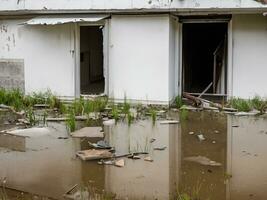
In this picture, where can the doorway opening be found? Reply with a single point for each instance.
(205, 58)
(91, 60)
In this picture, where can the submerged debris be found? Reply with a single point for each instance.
(203, 161)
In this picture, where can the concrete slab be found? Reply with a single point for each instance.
(89, 132)
(93, 154)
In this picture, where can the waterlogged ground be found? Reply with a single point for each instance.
(230, 164)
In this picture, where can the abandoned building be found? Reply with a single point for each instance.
(147, 50)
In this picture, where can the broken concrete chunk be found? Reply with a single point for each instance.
(120, 163)
(93, 154)
(88, 132)
(203, 161)
(169, 122)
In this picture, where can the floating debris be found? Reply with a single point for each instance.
(62, 138)
(169, 122)
(152, 140)
(149, 159)
(102, 144)
(191, 133)
(216, 132)
(203, 161)
(160, 148)
(235, 126)
(201, 137)
(213, 142)
(120, 163)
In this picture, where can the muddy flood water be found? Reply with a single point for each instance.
(210, 155)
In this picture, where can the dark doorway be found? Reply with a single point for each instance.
(91, 60)
(204, 57)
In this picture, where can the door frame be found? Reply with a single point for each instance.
(229, 55)
(77, 79)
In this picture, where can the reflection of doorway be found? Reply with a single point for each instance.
(91, 60)
(204, 58)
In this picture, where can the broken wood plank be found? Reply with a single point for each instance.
(196, 101)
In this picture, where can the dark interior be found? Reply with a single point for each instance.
(200, 40)
(91, 60)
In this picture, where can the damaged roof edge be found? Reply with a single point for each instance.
(183, 11)
(56, 19)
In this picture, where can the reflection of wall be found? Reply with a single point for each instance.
(247, 158)
(194, 175)
(140, 179)
(46, 168)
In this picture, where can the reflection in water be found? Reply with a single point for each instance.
(247, 158)
(49, 166)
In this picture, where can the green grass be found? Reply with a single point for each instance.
(115, 113)
(153, 114)
(130, 118)
(71, 122)
(241, 105)
(259, 104)
(179, 102)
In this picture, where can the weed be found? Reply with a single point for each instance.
(126, 106)
(241, 104)
(183, 114)
(115, 113)
(179, 102)
(71, 122)
(130, 118)
(44, 118)
(153, 114)
(259, 104)
(31, 116)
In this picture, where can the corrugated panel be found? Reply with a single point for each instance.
(54, 20)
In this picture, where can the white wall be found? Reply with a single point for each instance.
(173, 58)
(139, 58)
(46, 50)
(249, 55)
